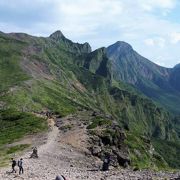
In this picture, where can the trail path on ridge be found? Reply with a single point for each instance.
(56, 158)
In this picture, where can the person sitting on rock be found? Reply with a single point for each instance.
(34, 153)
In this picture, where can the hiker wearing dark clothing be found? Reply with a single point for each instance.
(34, 153)
(13, 165)
(106, 163)
(20, 165)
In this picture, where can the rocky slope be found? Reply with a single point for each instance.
(175, 76)
(63, 153)
(154, 81)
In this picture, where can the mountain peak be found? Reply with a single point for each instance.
(57, 35)
(123, 45)
(120, 47)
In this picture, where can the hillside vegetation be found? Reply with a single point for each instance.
(14, 126)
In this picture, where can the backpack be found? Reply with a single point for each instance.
(14, 163)
(20, 163)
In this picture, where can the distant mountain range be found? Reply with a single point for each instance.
(124, 64)
(58, 75)
(159, 83)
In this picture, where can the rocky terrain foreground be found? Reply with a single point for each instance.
(64, 154)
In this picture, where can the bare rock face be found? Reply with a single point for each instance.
(77, 48)
(57, 35)
(111, 142)
(96, 150)
(122, 158)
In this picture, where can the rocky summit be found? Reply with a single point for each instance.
(78, 106)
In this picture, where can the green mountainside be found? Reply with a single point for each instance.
(54, 74)
(159, 83)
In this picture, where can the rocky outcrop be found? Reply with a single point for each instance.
(58, 35)
(97, 62)
(78, 48)
(111, 142)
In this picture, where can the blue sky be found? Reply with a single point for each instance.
(152, 27)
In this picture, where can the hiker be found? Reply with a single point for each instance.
(61, 177)
(106, 163)
(34, 153)
(13, 165)
(20, 165)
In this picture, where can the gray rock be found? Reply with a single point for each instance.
(96, 150)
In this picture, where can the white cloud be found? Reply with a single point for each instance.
(158, 41)
(93, 7)
(175, 37)
(82, 17)
(149, 42)
(161, 42)
(160, 61)
(149, 5)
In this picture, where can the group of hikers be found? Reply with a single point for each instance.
(20, 165)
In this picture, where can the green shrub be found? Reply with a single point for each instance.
(98, 121)
(17, 148)
(15, 125)
(170, 151)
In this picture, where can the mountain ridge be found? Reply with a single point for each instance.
(150, 78)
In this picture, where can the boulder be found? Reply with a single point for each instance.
(123, 159)
(96, 150)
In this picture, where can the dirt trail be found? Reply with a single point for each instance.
(54, 158)
(57, 157)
